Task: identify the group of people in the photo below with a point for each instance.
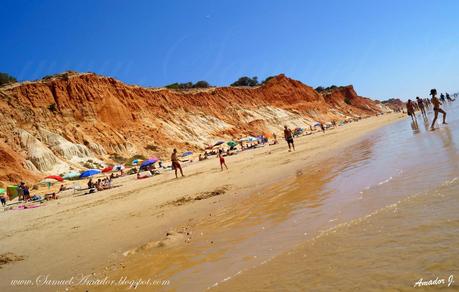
(423, 104)
(99, 184)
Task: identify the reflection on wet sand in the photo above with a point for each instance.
(258, 228)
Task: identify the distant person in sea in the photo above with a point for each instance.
(176, 164)
(421, 105)
(288, 135)
(448, 98)
(222, 159)
(410, 110)
(436, 106)
(442, 97)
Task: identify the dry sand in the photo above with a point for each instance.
(84, 234)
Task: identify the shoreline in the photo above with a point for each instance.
(140, 212)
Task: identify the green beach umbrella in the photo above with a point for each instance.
(2, 191)
(71, 175)
(231, 144)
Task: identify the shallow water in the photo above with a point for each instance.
(397, 222)
(380, 215)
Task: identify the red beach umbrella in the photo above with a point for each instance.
(107, 169)
(56, 177)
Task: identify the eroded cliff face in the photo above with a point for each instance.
(54, 125)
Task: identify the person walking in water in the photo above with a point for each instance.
(442, 97)
(288, 135)
(222, 159)
(410, 110)
(436, 106)
(421, 106)
(176, 164)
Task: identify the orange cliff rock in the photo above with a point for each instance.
(57, 124)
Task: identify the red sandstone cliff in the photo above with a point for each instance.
(59, 123)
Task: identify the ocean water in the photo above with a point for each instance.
(397, 224)
(382, 214)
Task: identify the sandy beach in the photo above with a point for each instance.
(99, 232)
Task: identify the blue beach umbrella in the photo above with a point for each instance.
(90, 172)
(149, 161)
(188, 153)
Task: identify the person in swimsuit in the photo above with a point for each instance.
(222, 159)
(448, 98)
(421, 106)
(175, 163)
(436, 106)
(288, 135)
(410, 110)
(25, 191)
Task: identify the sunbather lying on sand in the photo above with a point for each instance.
(139, 176)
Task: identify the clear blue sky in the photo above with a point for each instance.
(384, 48)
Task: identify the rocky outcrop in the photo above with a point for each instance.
(59, 123)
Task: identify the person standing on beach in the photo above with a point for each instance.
(176, 164)
(421, 105)
(322, 127)
(288, 135)
(410, 110)
(436, 106)
(222, 159)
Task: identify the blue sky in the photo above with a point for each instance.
(384, 48)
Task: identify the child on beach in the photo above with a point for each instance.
(436, 104)
(222, 159)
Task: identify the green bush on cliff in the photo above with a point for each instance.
(246, 81)
(6, 78)
(267, 79)
(188, 85)
(52, 107)
(201, 84)
(320, 88)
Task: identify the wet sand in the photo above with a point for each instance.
(208, 215)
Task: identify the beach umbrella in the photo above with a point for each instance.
(89, 172)
(188, 153)
(231, 144)
(218, 143)
(107, 169)
(149, 161)
(54, 177)
(2, 191)
(71, 175)
(135, 161)
(251, 139)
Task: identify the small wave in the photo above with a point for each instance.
(385, 181)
